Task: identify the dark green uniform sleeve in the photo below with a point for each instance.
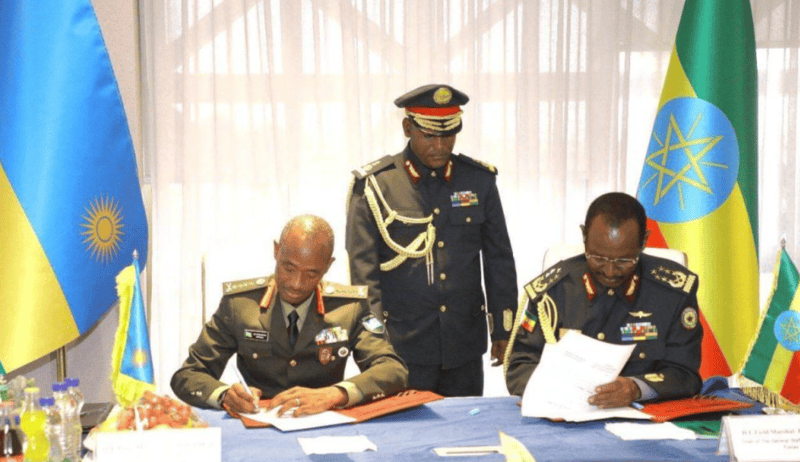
(199, 375)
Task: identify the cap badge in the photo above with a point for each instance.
(442, 96)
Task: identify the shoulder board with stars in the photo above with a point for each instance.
(540, 285)
(331, 289)
(372, 167)
(477, 163)
(676, 278)
(243, 285)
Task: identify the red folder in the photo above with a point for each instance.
(668, 410)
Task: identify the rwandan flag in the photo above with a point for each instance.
(131, 361)
(774, 361)
(71, 211)
(699, 180)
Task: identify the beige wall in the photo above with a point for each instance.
(89, 358)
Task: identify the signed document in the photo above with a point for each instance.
(287, 423)
(567, 375)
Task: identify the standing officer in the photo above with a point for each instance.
(293, 334)
(418, 223)
(616, 294)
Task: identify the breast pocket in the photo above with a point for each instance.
(467, 221)
(251, 351)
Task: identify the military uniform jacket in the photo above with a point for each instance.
(656, 309)
(240, 325)
(444, 323)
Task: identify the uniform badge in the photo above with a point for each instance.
(343, 352)
(326, 355)
(464, 199)
(442, 96)
(325, 336)
(637, 331)
(654, 377)
(529, 321)
(373, 324)
(508, 319)
(258, 335)
(689, 318)
(639, 314)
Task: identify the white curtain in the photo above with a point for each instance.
(257, 110)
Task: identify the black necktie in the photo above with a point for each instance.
(292, 329)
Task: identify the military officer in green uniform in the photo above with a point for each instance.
(616, 294)
(292, 334)
(421, 225)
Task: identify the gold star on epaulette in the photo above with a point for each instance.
(674, 278)
(543, 282)
(330, 289)
(237, 287)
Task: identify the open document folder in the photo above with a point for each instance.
(567, 375)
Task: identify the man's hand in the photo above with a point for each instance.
(307, 401)
(239, 401)
(498, 351)
(619, 393)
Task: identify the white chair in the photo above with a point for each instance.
(561, 252)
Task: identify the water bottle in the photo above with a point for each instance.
(32, 422)
(10, 440)
(77, 397)
(66, 407)
(54, 429)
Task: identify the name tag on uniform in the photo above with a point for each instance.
(258, 335)
(637, 331)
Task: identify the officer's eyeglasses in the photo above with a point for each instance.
(619, 263)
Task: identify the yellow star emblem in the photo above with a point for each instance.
(676, 140)
(791, 330)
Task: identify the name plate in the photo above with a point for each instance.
(174, 445)
(768, 438)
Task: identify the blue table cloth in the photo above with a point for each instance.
(411, 436)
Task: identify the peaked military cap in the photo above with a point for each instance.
(435, 108)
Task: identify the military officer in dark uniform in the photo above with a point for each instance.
(293, 334)
(616, 294)
(418, 224)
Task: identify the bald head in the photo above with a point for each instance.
(309, 228)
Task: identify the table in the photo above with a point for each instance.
(411, 436)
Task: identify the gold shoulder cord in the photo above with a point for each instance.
(548, 318)
(420, 247)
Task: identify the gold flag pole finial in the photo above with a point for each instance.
(783, 242)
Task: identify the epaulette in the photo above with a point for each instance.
(477, 163)
(237, 287)
(546, 280)
(675, 277)
(331, 289)
(372, 167)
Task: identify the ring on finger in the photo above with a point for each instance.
(297, 401)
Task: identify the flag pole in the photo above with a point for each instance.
(61, 364)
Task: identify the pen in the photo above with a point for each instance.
(244, 384)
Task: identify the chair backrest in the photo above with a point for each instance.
(561, 252)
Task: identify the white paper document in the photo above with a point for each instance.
(567, 375)
(336, 444)
(650, 431)
(288, 423)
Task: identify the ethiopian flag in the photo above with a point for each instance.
(774, 361)
(71, 210)
(699, 181)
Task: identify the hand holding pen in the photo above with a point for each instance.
(241, 398)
